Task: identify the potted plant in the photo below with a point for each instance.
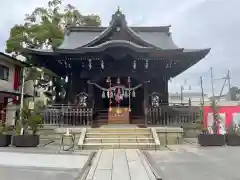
(5, 137)
(205, 138)
(26, 130)
(233, 137)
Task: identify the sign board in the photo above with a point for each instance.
(31, 105)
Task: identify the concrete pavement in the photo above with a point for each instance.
(117, 164)
(193, 162)
(28, 166)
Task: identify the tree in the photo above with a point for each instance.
(216, 116)
(44, 27)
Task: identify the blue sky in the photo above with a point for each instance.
(195, 24)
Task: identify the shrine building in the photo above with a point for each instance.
(120, 70)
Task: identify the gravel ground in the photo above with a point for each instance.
(191, 162)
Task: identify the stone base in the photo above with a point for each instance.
(170, 135)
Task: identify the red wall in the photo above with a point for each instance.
(228, 110)
(16, 80)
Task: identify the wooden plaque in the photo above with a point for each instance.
(118, 116)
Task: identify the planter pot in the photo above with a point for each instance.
(211, 139)
(5, 140)
(26, 141)
(232, 139)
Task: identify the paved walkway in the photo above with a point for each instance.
(120, 164)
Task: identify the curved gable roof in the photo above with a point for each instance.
(146, 36)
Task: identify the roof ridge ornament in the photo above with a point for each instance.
(118, 9)
(118, 16)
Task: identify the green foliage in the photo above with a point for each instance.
(199, 126)
(44, 26)
(32, 119)
(35, 122)
(2, 128)
(5, 129)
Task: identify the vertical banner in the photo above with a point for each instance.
(222, 123)
(235, 121)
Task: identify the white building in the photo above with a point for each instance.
(10, 76)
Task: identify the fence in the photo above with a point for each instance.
(71, 115)
(170, 115)
(67, 115)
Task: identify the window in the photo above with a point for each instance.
(4, 73)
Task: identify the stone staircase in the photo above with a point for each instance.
(119, 138)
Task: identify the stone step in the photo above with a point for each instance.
(119, 140)
(145, 146)
(119, 134)
(119, 130)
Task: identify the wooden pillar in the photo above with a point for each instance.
(90, 96)
(166, 100)
(146, 102)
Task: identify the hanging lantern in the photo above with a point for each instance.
(42, 75)
(66, 79)
(146, 64)
(103, 95)
(129, 80)
(126, 94)
(134, 64)
(50, 83)
(102, 64)
(108, 80)
(133, 93)
(90, 64)
(118, 80)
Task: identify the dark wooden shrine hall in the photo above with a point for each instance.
(116, 66)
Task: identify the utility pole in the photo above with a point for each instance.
(229, 86)
(201, 83)
(181, 94)
(213, 94)
(21, 100)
